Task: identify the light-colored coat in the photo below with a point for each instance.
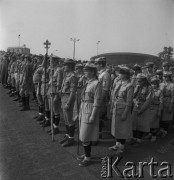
(123, 96)
(142, 101)
(91, 97)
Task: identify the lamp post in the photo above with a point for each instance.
(97, 46)
(19, 36)
(74, 41)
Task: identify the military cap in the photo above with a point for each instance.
(68, 61)
(55, 57)
(159, 72)
(141, 76)
(149, 64)
(90, 66)
(123, 70)
(168, 73)
(155, 79)
(171, 69)
(79, 66)
(100, 59)
(165, 64)
(136, 67)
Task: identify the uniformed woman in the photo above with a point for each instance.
(89, 112)
(168, 93)
(121, 127)
(141, 108)
(155, 107)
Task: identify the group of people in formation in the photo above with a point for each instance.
(139, 100)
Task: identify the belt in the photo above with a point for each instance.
(63, 94)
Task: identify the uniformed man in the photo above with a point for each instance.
(105, 79)
(56, 81)
(68, 96)
(37, 76)
(150, 70)
(165, 66)
(137, 70)
(17, 78)
(81, 82)
(26, 85)
(43, 89)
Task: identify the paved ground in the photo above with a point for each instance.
(27, 152)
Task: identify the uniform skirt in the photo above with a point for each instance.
(141, 122)
(121, 129)
(88, 131)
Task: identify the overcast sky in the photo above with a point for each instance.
(140, 26)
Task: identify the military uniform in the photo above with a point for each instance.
(68, 96)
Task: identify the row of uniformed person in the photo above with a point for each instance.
(140, 103)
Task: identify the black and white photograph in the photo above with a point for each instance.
(86, 89)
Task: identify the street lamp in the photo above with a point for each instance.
(97, 46)
(74, 41)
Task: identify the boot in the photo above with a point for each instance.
(70, 140)
(18, 97)
(66, 135)
(56, 119)
(28, 103)
(23, 103)
(41, 113)
(13, 92)
(34, 96)
(47, 119)
(100, 128)
(87, 159)
(10, 90)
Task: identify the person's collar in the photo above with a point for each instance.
(101, 71)
(91, 80)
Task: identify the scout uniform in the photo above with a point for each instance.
(43, 89)
(168, 93)
(68, 96)
(56, 81)
(37, 76)
(137, 70)
(105, 79)
(90, 104)
(123, 96)
(81, 82)
(17, 79)
(141, 108)
(150, 73)
(165, 66)
(155, 107)
(26, 84)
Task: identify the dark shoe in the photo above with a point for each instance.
(84, 163)
(55, 131)
(17, 98)
(35, 117)
(25, 108)
(39, 118)
(64, 139)
(80, 158)
(69, 142)
(46, 124)
(20, 105)
(12, 94)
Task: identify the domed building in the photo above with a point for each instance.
(127, 58)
